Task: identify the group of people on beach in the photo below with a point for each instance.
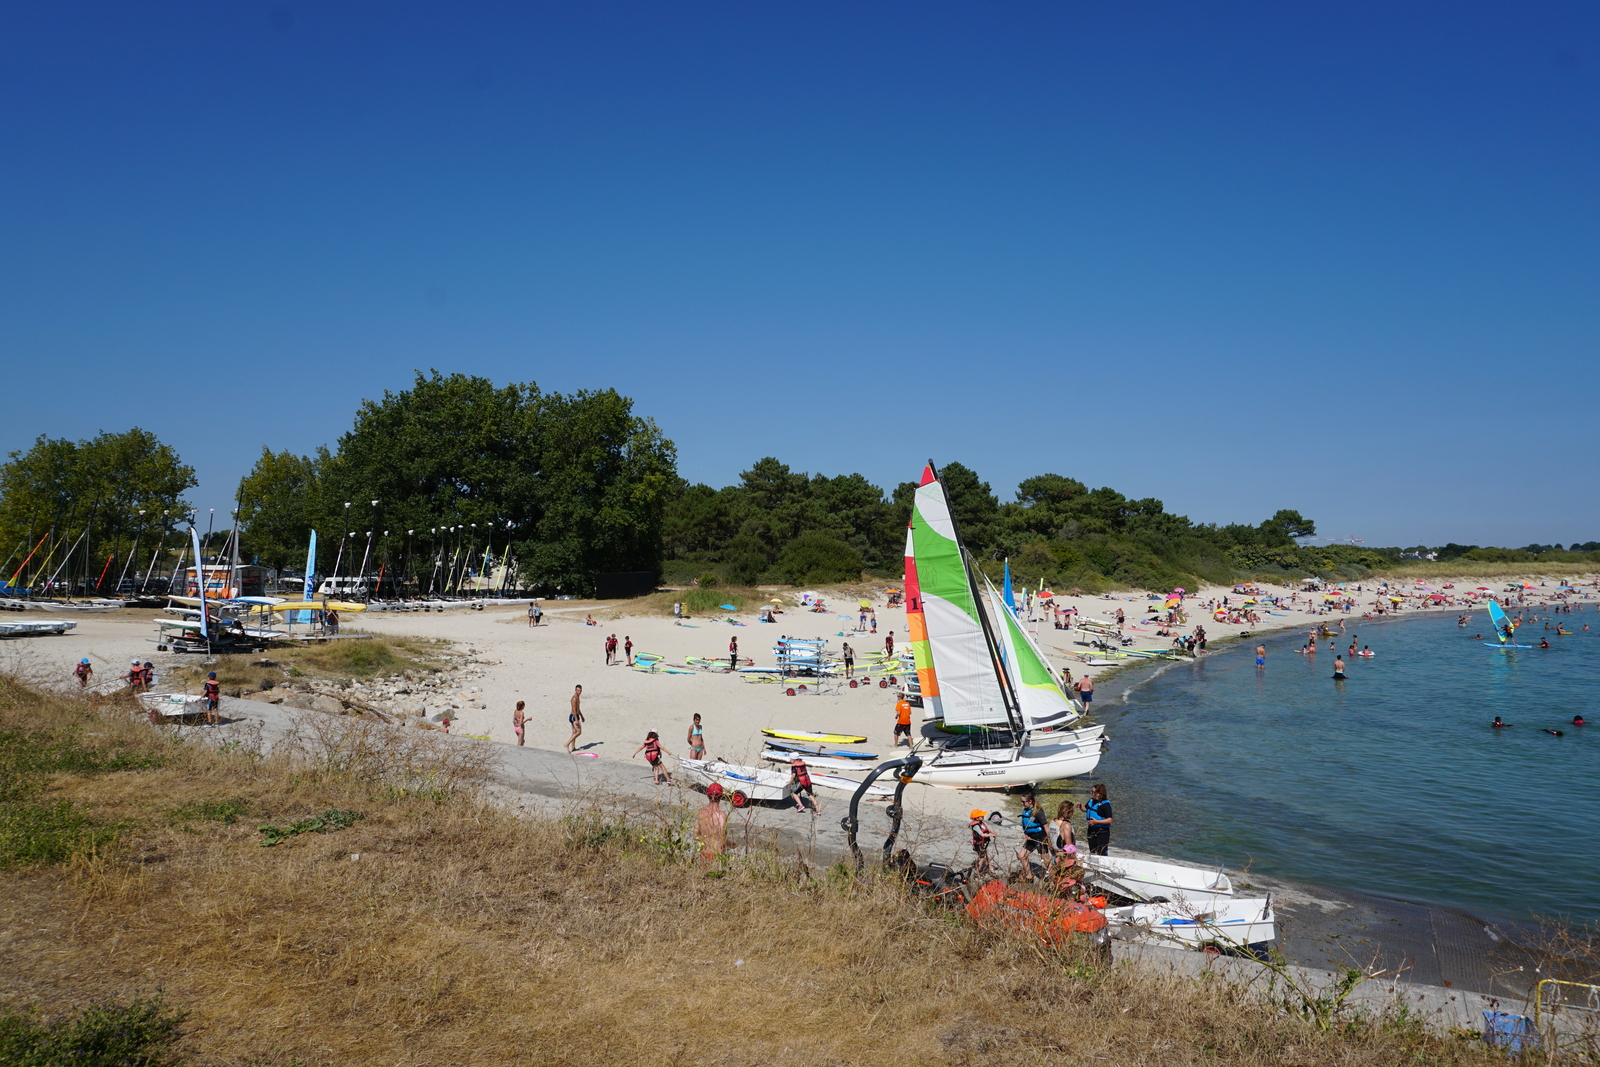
(1049, 847)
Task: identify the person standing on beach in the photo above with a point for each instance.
(1034, 838)
(1097, 814)
(733, 653)
(872, 619)
(1261, 655)
(1086, 690)
(849, 660)
(888, 645)
(627, 648)
(213, 696)
(902, 722)
(697, 739)
(711, 825)
(83, 671)
(519, 722)
(575, 716)
(532, 617)
(330, 623)
(800, 783)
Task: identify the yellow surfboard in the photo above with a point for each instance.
(317, 605)
(804, 735)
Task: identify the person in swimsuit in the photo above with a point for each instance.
(1338, 668)
(1063, 837)
(575, 716)
(697, 742)
(1086, 690)
(519, 722)
(711, 825)
(1261, 655)
(652, 755)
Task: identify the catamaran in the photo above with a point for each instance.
(978, 667)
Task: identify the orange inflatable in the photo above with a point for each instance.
(998, 906)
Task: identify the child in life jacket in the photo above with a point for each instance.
(982, 838)
(212, 692)
(800, 782)
(653, 751)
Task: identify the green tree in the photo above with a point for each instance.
(817, 558)
(276, 502)
(96, 488)
(572, 486)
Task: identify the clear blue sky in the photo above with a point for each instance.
(1336, 257)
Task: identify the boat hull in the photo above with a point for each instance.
(1151, 881)
(1044, 758)
(1237, 925)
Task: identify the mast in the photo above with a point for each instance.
(1013, 706)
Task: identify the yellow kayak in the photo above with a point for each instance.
(803, 735)
(317, 605)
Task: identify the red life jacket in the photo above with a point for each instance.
(652, 751)
(800, 773)
(148, 676)
(211, 690)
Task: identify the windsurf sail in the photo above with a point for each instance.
(200, 583)
(1503, 627)
(955, 666)
(311, 567)
(1010, 597)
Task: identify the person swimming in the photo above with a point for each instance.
(1544, 642)
(1577, 720)
(1555, 733)
(1497, 724)
(1366, 650)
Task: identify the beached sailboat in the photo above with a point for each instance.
(977, 667)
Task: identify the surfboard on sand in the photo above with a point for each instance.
(807, 735)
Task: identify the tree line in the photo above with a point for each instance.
(561, 488)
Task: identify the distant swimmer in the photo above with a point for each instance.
(1554, 733)
(1544, 642)
(1477, 637)
(1338, 668)
(1497, 724)
(1577, 720)
(1366, 650)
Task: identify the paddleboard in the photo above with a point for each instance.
(317, 605)
(823, 762)
(807, 735)
(818, 750)
(1490, 644)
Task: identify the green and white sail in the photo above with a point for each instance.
(1043, 704)
(953, 648)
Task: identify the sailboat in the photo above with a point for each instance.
(977, 667)
(1504, 628)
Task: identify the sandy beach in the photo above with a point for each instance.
(505, 660)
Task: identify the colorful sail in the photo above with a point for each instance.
(311, 566)
(1039, 694)
(200, 583)
(1501, 623)
(947, 639)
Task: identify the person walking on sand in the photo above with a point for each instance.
(83, 671)
(982, 838)
(1086, 690)
(1034, 838)
(532, 614)
(902, 722)
(330, 623)
(653, 752)
(538, 613)
(711, 825)
(1097, 814)
(213, 696)
(733, 653)
(627, 648)
(872, 619)
(800, 783)
(888, 645)
(697, 739)
(1063, 837)
(1261, 655)
(575, 716)
(849, 660)
(519, 722)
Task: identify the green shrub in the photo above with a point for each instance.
(47, 833)
(817, 559)
(709, 601)
(141, 1033)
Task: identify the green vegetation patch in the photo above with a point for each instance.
(141, 1033)
(226, 812)
(48, 833)
(328, 820)
(28, 755)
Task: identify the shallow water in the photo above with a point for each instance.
(1391, 782)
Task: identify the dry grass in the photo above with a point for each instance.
(464, 934)
(369, 657)
(1466, 568)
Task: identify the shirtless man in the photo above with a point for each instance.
(1261, 655)
(711, 825)
(575, 716)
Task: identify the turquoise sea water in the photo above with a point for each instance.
(1391, 782)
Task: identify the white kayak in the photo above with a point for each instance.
(1151, 881)
(850, 785)
(827, 763)
(1227, 924)
(741, 784)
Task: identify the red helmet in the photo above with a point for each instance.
(714, 791)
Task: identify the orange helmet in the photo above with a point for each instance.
(976, 814)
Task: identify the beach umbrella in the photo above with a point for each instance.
(866, 603)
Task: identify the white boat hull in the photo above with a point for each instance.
(1044, 758)
(1227, 924)
(755, 783)
(1151, 881)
